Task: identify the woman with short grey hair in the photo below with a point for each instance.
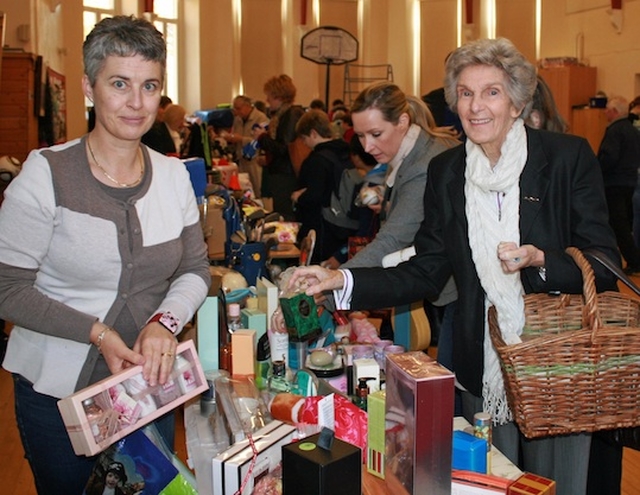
(102, 258)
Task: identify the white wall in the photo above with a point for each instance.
(616, 55)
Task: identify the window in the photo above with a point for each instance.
(95, 11)
(166, 21)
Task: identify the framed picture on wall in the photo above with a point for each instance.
(56, 106)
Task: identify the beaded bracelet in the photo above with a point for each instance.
(101, 338)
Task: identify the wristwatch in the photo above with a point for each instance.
(167, 320)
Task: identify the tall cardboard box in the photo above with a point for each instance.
(208, 326)
(419, 424)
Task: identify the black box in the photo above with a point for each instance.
(310, 470)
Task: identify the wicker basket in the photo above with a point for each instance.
(578, 366)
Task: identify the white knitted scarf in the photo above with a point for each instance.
(407, 144)
(493, 213)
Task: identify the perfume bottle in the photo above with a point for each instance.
(94, 417)
(278, 380)
(362, 393)
(234, 321)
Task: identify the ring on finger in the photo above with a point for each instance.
(167, 354)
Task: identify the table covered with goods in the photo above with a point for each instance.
(303, 399)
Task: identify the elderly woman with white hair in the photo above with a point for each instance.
(502, 207)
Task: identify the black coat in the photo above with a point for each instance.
(562, 204)
(158, 138)
(619, 154)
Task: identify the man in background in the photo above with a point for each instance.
(245, 117)
(619, 157)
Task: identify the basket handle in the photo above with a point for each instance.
(605, 261)
(590, 313)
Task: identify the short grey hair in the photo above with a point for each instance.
(619, 104)
(501, 53)
(243, 99)
(122, 36)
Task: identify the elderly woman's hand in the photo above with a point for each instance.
(315, 280)
(514, 258)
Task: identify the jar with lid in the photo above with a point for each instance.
(482, 428)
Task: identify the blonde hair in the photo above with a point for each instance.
(391, 101)
(420, 114)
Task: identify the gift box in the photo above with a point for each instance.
(367, 368)
(418, 413)
(347, 420)
(472, 483)
(236, 465)
(532, 484)
(469, 452)
(210, 324)
(105, 412)
(267, 297)
(300, 316)
(309, 469)
(375, 433)
(254, 319)
(243, 355)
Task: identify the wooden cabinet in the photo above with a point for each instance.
(18, 117)
(590, 123)
(571, 85)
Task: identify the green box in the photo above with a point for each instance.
(254, 319)
(376, 433)
(300, 316)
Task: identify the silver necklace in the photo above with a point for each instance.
(106, 174)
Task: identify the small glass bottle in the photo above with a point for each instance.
(233, 317)
(278, 379)
(94, 417)
(362, 393)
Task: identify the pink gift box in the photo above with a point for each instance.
(126, 403)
